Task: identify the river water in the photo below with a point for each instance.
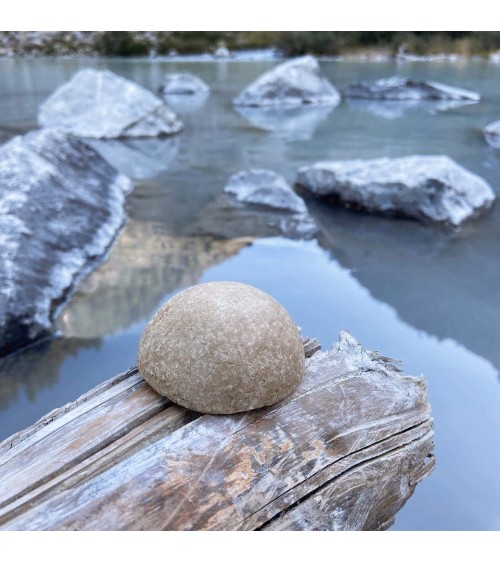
(428, 296)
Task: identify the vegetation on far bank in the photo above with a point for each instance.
(290, 43)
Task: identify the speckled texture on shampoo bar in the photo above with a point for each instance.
(221, 348)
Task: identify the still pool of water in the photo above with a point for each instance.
(422, 294)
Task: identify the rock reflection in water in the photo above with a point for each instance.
(183, 104)
(36, 368)
(139, 158)
(390, 109)
(293, 124)
(227, 218)
(147, 264)
(421, 272)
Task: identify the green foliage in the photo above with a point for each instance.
(121, 44)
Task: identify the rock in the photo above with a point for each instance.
(268, 189)
(99, 104)
(264, 187)
(183, 83)
(221, 348)
(397, 88)
(222, 52)
(294, 83)
(492, 134)
(430, 188)
(61, 206)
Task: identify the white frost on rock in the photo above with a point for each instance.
(431, 188)
(61, 206)
(183, 83)
(492, 134)
(398, 88)
(268, 189)
(294, 83)
(99, 104)
(264, 187)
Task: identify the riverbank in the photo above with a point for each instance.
(232, 44)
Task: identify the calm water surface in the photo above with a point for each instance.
(422, 294)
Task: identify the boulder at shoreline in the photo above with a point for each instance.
(102, 105)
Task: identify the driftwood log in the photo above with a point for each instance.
(343, 452)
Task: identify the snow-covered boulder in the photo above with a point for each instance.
(270, 190)
(492, 134)
(183, 83)
(61, 205)
(430, 188)
(99, 104)
(294, 83)
(398, 88)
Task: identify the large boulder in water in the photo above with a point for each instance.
(101, 105)
(398, 88)
(492, 134)
(61, 205)
(430, 188)
(294, 83)
(183, 83)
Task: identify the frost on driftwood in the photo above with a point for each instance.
(343, 452)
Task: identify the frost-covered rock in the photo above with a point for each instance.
(61, 205)
(268, 189)
(99, 104)
(293, 83)
(264, 187)
(222, 52)
(183, 83)
(431, 188)
(492, 134)
(398, 88)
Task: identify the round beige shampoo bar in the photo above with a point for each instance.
(221, 348)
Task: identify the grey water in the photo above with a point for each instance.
(423, 294)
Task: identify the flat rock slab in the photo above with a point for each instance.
(429, 188)
(180, 83)
(492, 134)
(398, 88)
(61, 207)
(345, 451)
(102, 105)
(294, 83)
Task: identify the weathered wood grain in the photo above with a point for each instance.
(344, 451)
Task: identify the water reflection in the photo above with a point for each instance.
(146, 264)
(186, 103)
(390, 109)
(226, 217)
(292, 124)
(139, 158)
(439, 281)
